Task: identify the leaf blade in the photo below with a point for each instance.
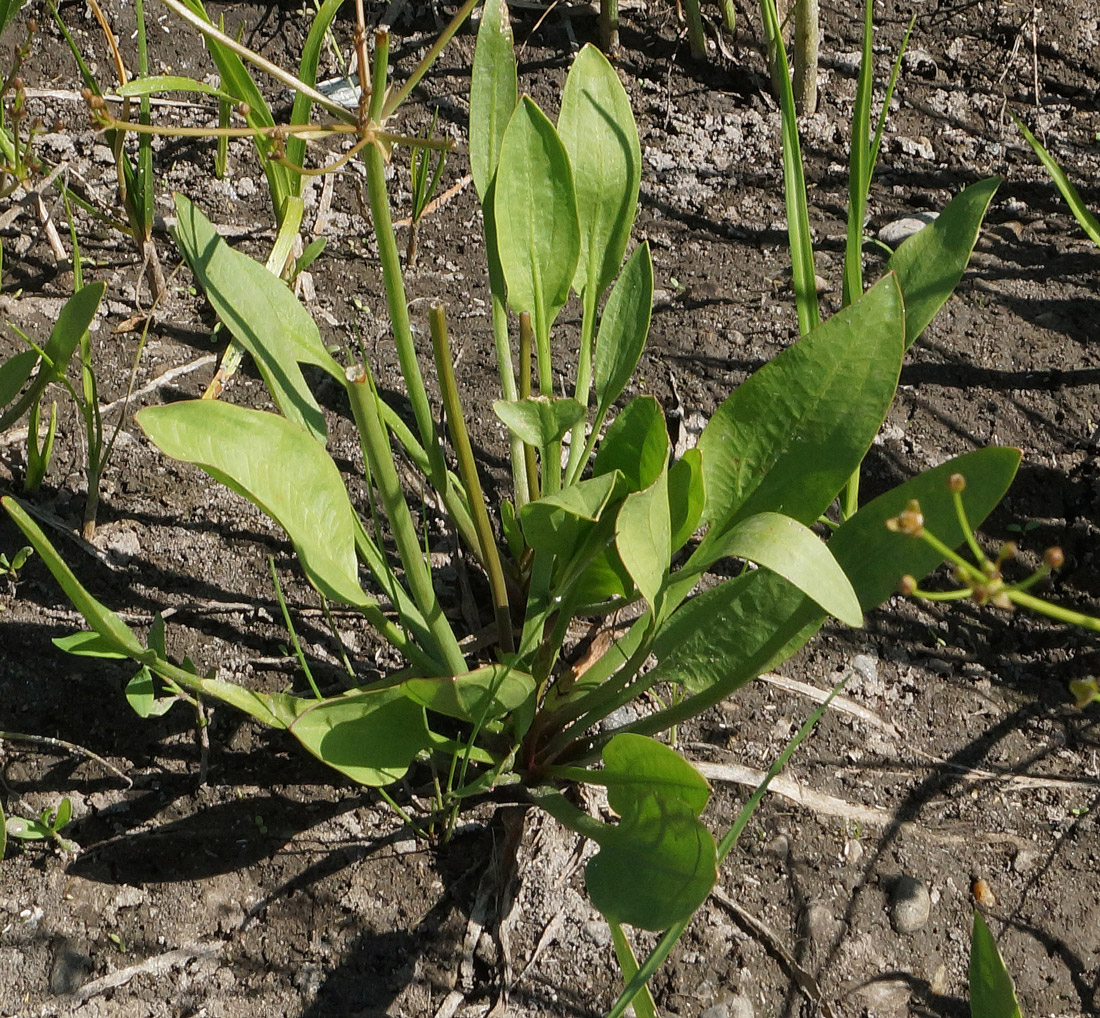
(278, 466)
(596, 126)
(930, 264)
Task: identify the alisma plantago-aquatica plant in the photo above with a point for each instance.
(616, 526)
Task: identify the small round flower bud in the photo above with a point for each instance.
(1008, 550)
(86, 94)
(32, 25)
(956, 483)
(244, 109)
(909, 521)
(1054, 558)
(18, 83)
(907, 585)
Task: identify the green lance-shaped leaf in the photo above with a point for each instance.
(624, 328)
(76, 316)
(659, 863)
(539, 420)
(8, 10)
(1088, 222)
(992, 994)
(596, 126)
(14, 374)
(636, 444)
(536, 215)
(372, 737)
(493, 92)
(307, 72)
(89, 644)
(170, 83)
(796, 553)
(930, 264)
(261, 312)
(485, 693)
(643, 538)
(112, 638)
(280, 467)
(236, 80)
(789, 438)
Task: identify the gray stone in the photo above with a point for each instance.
(910, 905)
(778, 848)
(901, 229)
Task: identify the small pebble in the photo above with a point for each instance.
(902, 229)
(983, 893)
(1025, 861)
(910, 905)
(853, 851)
(598, 932)
(740, 1007)
(818, 923)
(778, 848)
(731, 1007)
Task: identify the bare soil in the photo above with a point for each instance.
(242, 879)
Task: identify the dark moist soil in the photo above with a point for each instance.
(244, 879)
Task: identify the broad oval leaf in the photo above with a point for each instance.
(931, 262)
(875, 558)
(789, 437)
(603, 578)
(539, 420)
(596, 126)
(278, 466)
(636, 444)
(535, 210)
(728, 635)
(141, 695)
(485, 693)
(372, 737)
(548, 523)
(493, 92)
(659, 863)
(797, 554)
(624, 328)
(636, 766)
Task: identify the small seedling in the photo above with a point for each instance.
(48, 827)
(425, 169)
(10, 567)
